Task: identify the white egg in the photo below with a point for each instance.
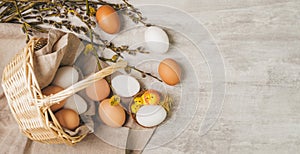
(156, 39)
(65, 77)
(151, 115)
(125, 85)
(76, 103)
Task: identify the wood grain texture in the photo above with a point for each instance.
(259, 41)
(260, 44)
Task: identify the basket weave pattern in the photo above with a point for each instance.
(30, 107)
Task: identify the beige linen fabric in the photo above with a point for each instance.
(12, 40)
(61, 49)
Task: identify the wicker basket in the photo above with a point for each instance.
(30, 107)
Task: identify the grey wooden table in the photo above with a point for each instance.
(260, 44)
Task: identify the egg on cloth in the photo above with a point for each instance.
(98, 90)
(156, 39)
(65, 77)
(108, 19)
(169, 71)
(76, 103)
(68, 118)
(111, 115)
(53, 90)
(151, 115)
(125, 85)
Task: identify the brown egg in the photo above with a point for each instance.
(108, 19)
(98, 90)
(53, 90)
(68, 118)
(113, 116)
(169, 71)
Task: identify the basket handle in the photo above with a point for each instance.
(53, 99)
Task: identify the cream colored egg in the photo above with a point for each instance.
(156, 39)
(76, 103)
(65, 77)
(151, 115)
(125, 85)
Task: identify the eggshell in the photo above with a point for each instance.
(76, 103)
(125, 85)
(65, 77)
(156, 39)
(108, 19)
(169, 71)
(53, 90)
(113, 116)
(68, 118)
(151, 115)
(98, 90)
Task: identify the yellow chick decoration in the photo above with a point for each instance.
(151, 97)
(138, 101)
(115, 100)
(135, 107)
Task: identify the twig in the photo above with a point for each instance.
(131, 67)
(146, 73)
(134, 14)
(87, 7)
(21, 10)
(35, 13)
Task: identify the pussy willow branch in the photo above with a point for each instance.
(134, 14)
(24, 23)
(131, 67)
(25, 8)
(145, 73)
(33, 14)
(43, 7)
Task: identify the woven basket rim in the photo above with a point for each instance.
(19, 67)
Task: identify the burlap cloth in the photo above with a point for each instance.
(129, 140)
